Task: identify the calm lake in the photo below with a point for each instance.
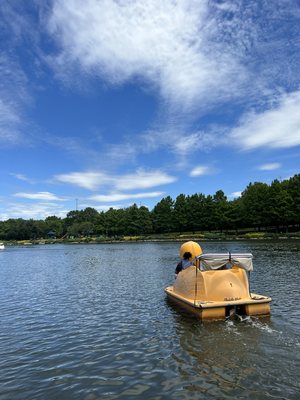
(92, 322)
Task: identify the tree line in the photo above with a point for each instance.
(260, 206)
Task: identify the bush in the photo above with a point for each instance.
(255, 235)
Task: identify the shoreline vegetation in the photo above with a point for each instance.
(262, 211)
(198, 237)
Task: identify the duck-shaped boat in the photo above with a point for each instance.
(217, 285)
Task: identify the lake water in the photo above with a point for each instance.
(92, 322)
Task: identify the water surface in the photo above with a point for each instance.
(92, 322)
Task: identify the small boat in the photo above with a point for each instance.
(2, 247)
(217, 285)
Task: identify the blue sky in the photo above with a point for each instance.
(121, 102)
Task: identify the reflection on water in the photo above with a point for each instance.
(92, 322)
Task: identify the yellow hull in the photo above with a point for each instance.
(213, 310)
(217, 285)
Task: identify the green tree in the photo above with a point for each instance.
(74, 229)
(208, 213)
(114, 222)
(132, 220)
(196, 212)
(234, 214)
(255, 203)
(220, 210)
(89, 214)
(181, 213)
(86, 228)
(163, 216)
(99, 227)
(280, 209)
(55, 224)
(145, 220)
(293, 188)
(72, 217)
(260, 205)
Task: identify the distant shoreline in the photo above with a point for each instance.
(255, 236)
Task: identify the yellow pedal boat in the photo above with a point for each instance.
(217, 285)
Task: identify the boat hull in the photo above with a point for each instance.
(255, 305)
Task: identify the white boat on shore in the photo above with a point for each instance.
(2, 247)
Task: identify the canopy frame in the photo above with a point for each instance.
(215, 261)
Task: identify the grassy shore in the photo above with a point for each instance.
(166, 237)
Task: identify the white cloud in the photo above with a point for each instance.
(185, 144)
(235, 194)
(269, 167)
(24, 178)
(87, 180)
(278, 127)
(9, 122)
(122, 196)
(13, 98)
(201, 170)
(11, 115)
(106, 207)
(174, 45)
(179, 142)
(38, 196)
(35, 211)
(141, 179)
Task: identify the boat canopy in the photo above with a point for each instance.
(218, 260)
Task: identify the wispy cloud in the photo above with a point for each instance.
(142, 179)
(269, 167)
(14, 90)
(24, 178)
(12, 103)
(188, 143)
(20, 34)
(200, 170)
(39, 196)
(87, 180)
(175, 46)
(92, 180)
(278, 127)
(35, 211)
(122, 196)
(180, 143)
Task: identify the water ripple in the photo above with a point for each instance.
(92, 322)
